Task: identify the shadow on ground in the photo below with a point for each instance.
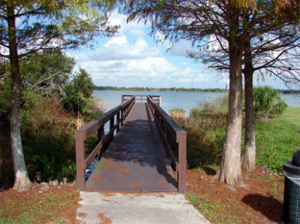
(209, 171)
(265, 205)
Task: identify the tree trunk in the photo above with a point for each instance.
(230, 169)
(249, 154)
(22, 181)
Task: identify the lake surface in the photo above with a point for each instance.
(180, 100)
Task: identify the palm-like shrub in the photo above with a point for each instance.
(267, 102)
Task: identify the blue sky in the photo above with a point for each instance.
(132, 58)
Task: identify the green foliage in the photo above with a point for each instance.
(55, 24)
(46, 165)
(205, 137)
(47, 128)
(48, 139)
(206, 132)
(52, 206)
(219, 105)
(69, 171)
(47, 134)
(209, 208)
(177, 113)
(278, 139)
(5, 90)
(267, 102)
(78, 94)
(46, 72)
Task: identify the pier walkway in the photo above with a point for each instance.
(144, 149)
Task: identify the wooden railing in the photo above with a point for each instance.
(117, 114)
(143, 98)
(174, 139)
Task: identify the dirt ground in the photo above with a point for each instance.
(40, 204)
(259, 199)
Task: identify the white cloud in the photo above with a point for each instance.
(119, 40)
(137, 33)
(118, 48)
(117, 19)
(127, 59)
(181, 48)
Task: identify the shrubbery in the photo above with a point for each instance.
(177, 113)
(267, 102)
(48, 116)
(206, 129)
(205, 137)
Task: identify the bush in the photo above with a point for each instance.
(267, 102)
(205, 137)
(177, 114)
(47, 135)
(47, 128)
(78, 99)
(218, 105)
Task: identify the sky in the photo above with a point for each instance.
(133, 58)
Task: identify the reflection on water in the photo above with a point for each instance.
(180, 100)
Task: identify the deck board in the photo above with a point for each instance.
(135, 160)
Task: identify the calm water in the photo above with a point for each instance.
(181, 100)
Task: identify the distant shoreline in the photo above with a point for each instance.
(216, 90)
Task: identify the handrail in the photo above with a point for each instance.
(174, 138)
(143, 98)
(119, 114)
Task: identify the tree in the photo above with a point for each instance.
(197, 20)
(260, 55)
(30, 26)
(47, 72)
(78, 91)
(215, 25)
(271, 42)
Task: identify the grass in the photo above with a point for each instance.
(218, 212)
(207, 207)
(177, 113)
(258, 199)
(278, 140)
(53, 206)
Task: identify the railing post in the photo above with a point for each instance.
(100, 137)
(181, 176)
(122, 116)
(118, 119)
(111, 126)
(80, 161)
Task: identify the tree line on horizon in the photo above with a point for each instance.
(181, 89)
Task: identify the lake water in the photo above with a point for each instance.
(181, 100)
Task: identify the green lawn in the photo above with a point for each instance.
(278, 139)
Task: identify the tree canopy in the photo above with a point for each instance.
(29, 26)
(42, 24)
(228, 34)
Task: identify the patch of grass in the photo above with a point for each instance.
(45, 207)
(99, 164)
(177, 114)
(278, 140)
(205, 137)
(214, 210)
